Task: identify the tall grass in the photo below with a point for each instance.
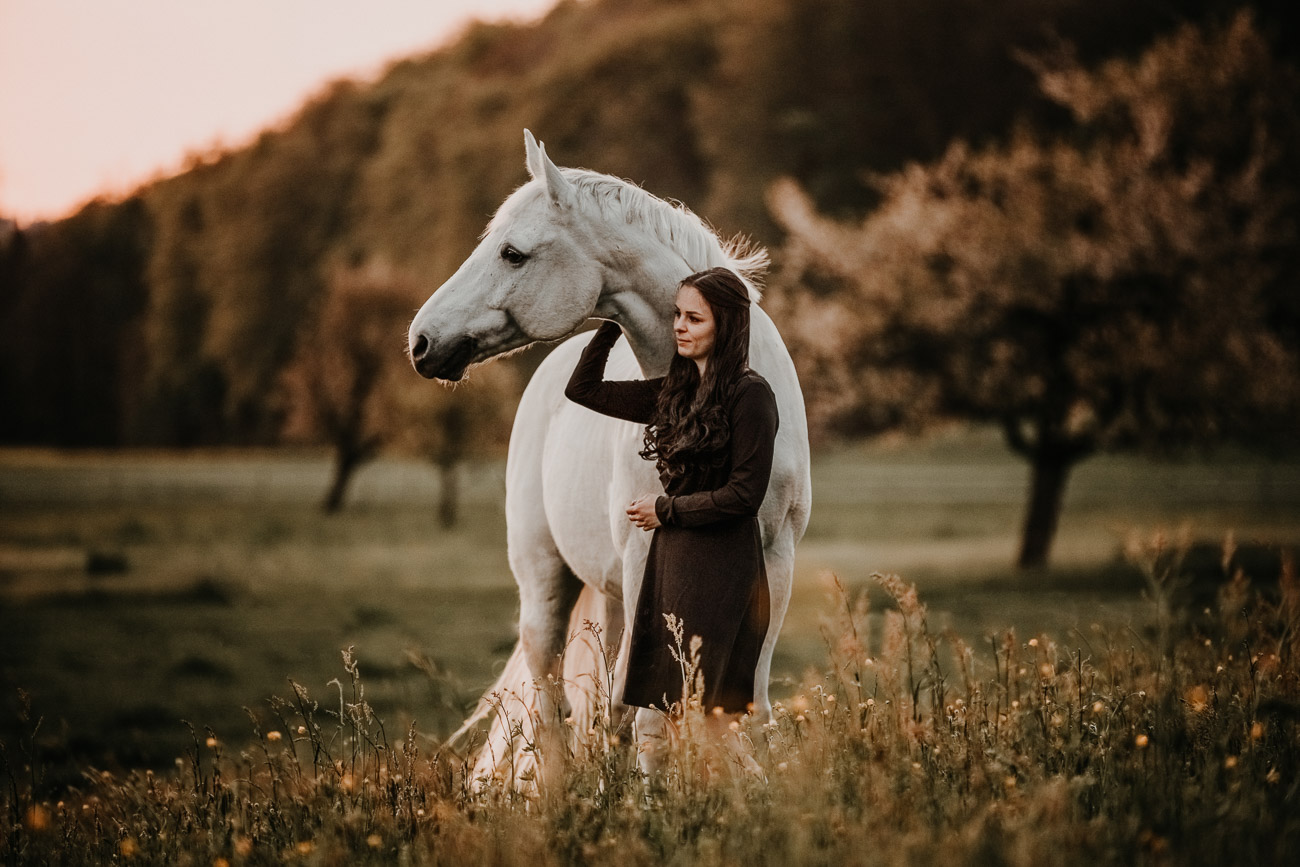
(1178, 746)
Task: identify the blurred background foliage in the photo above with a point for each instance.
(1128, 282)
(1070, 149)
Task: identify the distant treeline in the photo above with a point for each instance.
(169, 318)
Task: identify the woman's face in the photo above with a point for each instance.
(693, 325)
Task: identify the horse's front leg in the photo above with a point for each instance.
(634, 545)
(548, 590)
(649, 726)
(615, 641)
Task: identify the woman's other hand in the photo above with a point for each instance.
(642, 512)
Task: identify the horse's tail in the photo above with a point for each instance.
(512, 700)
(516, 670)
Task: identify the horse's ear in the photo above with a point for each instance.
(541, 168)
(533, 155)
(560, 190)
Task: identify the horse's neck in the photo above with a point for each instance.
(644, 308)
(641, 277)
(640, 299)
(764, 340)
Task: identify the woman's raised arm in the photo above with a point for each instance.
(631, 399)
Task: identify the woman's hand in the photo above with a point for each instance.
(642, 512)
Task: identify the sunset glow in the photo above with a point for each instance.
(97, 97)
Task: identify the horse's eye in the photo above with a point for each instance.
(513, 256)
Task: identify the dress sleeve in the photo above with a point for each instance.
(632, 399)
(753, 438)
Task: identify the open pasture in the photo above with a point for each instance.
(140, 590)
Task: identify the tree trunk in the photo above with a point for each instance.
(448, 494)
(1049, 471)
(345, 464)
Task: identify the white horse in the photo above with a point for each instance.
(568, 246)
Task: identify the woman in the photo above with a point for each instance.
(710, 428)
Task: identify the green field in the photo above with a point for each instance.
(140, 589)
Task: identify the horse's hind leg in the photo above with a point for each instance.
(548, 590)
(546, 598)
(779, 560)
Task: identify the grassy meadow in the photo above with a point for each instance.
(145, 594)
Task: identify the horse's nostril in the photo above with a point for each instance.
(421, 346)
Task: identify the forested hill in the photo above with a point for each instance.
(167, 318)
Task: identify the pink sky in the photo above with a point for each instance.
(97, 96)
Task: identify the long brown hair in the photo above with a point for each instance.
(689, 427)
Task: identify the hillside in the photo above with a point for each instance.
(168, 317)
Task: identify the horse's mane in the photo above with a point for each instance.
(670, 222)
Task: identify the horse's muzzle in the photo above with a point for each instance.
(435, 363)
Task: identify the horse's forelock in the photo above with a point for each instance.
(516, 200)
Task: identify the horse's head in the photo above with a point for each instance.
(534, 276)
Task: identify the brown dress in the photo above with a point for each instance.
(706, 560)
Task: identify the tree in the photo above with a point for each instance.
(72, 296)
(245, 246)
(447, 425)
(1130, 285)
(342, 384)
(819, 90)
